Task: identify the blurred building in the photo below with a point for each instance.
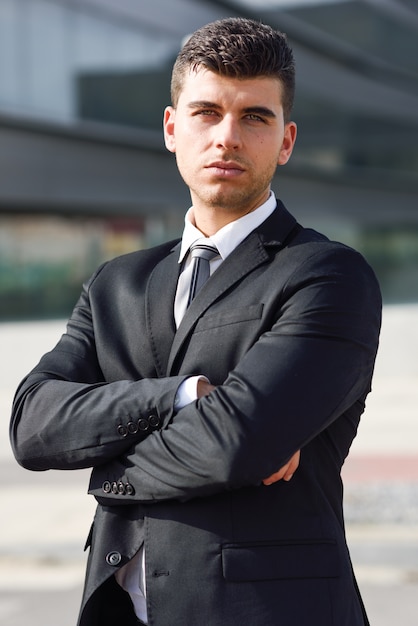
(84, 174)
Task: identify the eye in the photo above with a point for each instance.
(206, 112)
(253, 117)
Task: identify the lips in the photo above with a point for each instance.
(225, 170)
(226, 165)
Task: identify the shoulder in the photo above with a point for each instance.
(336, 270)
(140, 262)
(316, 248)
(308, 254)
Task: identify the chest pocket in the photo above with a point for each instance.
(227, 318)
(220, 340)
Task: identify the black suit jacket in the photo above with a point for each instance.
(287, 328)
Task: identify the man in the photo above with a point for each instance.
(192, 408)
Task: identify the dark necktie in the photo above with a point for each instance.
(202, 253)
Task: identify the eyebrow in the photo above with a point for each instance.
(263, 111)
(257, 110)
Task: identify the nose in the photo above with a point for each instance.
(228, 133)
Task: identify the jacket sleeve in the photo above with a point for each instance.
(66, 416)
(314, 362)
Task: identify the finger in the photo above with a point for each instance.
(276, 476)
(292, 466)
(286, 472)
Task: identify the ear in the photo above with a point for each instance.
(289, 138)
(169, 118)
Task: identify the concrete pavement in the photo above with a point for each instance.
(46, 516)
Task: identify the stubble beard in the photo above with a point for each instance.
(233, 198)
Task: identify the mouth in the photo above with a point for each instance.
(227, 169)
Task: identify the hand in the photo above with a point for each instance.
(204, 388)
(286, 472)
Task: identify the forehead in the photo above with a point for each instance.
(205, 85)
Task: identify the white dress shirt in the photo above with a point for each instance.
(132, 575)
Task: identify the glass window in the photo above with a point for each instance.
(335, 138)
(104, 45)
(46, 48)
(122, 75)
(91, 43)
(9, 53)
(385, 35)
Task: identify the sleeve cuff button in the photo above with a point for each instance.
(122, 430)
(154, 421)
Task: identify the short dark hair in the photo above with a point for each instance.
(239, 48)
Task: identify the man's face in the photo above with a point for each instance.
(229, 136)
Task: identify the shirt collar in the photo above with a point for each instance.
(230, 236)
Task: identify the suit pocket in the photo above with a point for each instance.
(225, 318)
(280, 560)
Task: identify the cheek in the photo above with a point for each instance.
(186, 163)
(268, 157)
(267, 151)
(192, 147)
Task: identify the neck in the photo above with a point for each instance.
(211, 219)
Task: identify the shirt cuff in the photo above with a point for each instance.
(187, 392)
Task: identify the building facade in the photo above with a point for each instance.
(84, 175)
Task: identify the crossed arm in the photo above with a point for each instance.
(286, 471)
(298, 377)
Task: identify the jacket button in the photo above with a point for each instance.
(114, 487)
(113, 558)
(122, 430)
(132, 428)
(121, 488)
(143, 424)
(107, 488)
(154, 421)
(129, 490)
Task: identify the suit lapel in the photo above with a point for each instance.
(159, 299)
(250, 254)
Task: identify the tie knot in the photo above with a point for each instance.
(203, 250)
